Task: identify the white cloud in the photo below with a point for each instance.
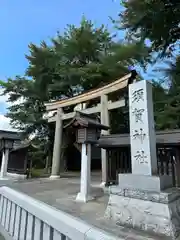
(4, 121)
(3, 99)
(5, 124)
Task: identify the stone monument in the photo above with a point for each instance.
(144, 200)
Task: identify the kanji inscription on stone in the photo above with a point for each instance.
(142, 133)
(138, 95)
(141, 157)
(138, 114)
(139, 134)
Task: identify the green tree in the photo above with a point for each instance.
(80, 59)
(169, 116)
(157, 20)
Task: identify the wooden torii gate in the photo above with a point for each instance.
(103, 107)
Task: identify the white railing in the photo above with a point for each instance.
(24, 218)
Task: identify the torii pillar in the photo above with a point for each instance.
(104, 121)
(55, 171)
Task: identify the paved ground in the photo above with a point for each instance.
(62, 193)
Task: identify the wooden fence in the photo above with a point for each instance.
(119, 161)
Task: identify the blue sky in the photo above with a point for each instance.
(25, 21)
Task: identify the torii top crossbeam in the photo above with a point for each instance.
(114, 86)
(93, 94)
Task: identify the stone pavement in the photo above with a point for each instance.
(61, 194)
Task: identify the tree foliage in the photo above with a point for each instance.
(157, 20)
(169, 114)
(80, 59)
